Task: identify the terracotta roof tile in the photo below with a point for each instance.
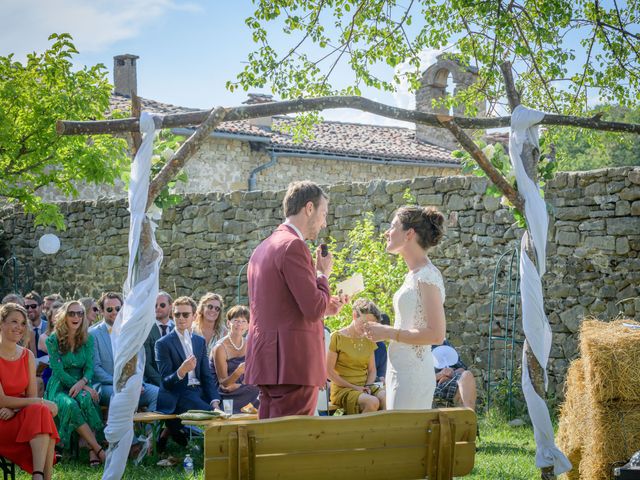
(329, 138)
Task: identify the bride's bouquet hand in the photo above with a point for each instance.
(376, 332)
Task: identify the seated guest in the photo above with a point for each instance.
(209, 321)
(91, 310)
(381, 353)
(42, 343)
(351, 364)
(456, 383)
(187, 382)
(110, 304)
(50, 300)
(322, 407)
(33, 305)
(163, 326)
(13, 298)
(71, 358)
(228, 361)
(29, 432)
(51, 314)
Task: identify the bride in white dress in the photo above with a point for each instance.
(419, 312)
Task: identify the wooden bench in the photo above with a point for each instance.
(438, 444)
(155, 419)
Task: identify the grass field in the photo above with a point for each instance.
(504, 453)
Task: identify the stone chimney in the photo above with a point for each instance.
(254, 99)
(434, 87)
(125, 80)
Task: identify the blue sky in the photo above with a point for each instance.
(187, 49)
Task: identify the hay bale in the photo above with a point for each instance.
(612, 435)
(573, 417)
(610, 352)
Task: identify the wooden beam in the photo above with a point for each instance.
(186, 151)
(478, 155)
(69, 127)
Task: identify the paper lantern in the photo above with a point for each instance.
(49, 244)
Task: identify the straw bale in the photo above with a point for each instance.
(573, 417)
(612, 435)
(610, 352)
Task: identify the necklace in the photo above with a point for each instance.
(356, 341)
(14, 355)
(234, 345)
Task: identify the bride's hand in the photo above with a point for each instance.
(376, 332)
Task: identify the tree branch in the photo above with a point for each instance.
(68, 127)
(510, 87)
(494, 175)
(186, 150)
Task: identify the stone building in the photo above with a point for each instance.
(259, 154)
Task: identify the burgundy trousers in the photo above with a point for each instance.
(283, 400)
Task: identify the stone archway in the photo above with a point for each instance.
(434, 87)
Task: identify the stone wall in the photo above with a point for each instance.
(593, 262)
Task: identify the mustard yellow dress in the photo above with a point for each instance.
(352, 364)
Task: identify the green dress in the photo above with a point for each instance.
(67, 369)
(352, 365)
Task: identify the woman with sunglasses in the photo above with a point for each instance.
(29, 432)
(90, 309)
(71, 359)
(209, 321)
(228, 361)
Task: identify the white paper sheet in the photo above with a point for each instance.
(351, 286)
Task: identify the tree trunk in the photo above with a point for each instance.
(530, 159)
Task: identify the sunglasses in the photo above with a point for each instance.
(182, 314)
(32, 306)
(211, 307)
(161, 305)
(74, 313)
(111, 309)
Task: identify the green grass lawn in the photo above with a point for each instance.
(505, 453)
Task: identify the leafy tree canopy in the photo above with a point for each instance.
(32, 97)
(563, 51)
(586, 150)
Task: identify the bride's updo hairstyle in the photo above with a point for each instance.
(427, 222)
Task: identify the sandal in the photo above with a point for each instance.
(36, 472)
(96, 462)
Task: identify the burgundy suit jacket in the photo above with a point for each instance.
(287, 300)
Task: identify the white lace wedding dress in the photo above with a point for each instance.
(411, 379)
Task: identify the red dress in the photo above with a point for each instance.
(30, 421)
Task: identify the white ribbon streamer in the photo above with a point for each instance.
(137, 316)
(535, 323)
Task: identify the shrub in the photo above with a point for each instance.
(365, 252)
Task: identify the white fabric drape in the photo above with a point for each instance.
(137, 316)
(535, 323)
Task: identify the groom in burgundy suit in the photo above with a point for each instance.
(289, 298)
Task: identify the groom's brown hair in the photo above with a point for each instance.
(299, 194)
